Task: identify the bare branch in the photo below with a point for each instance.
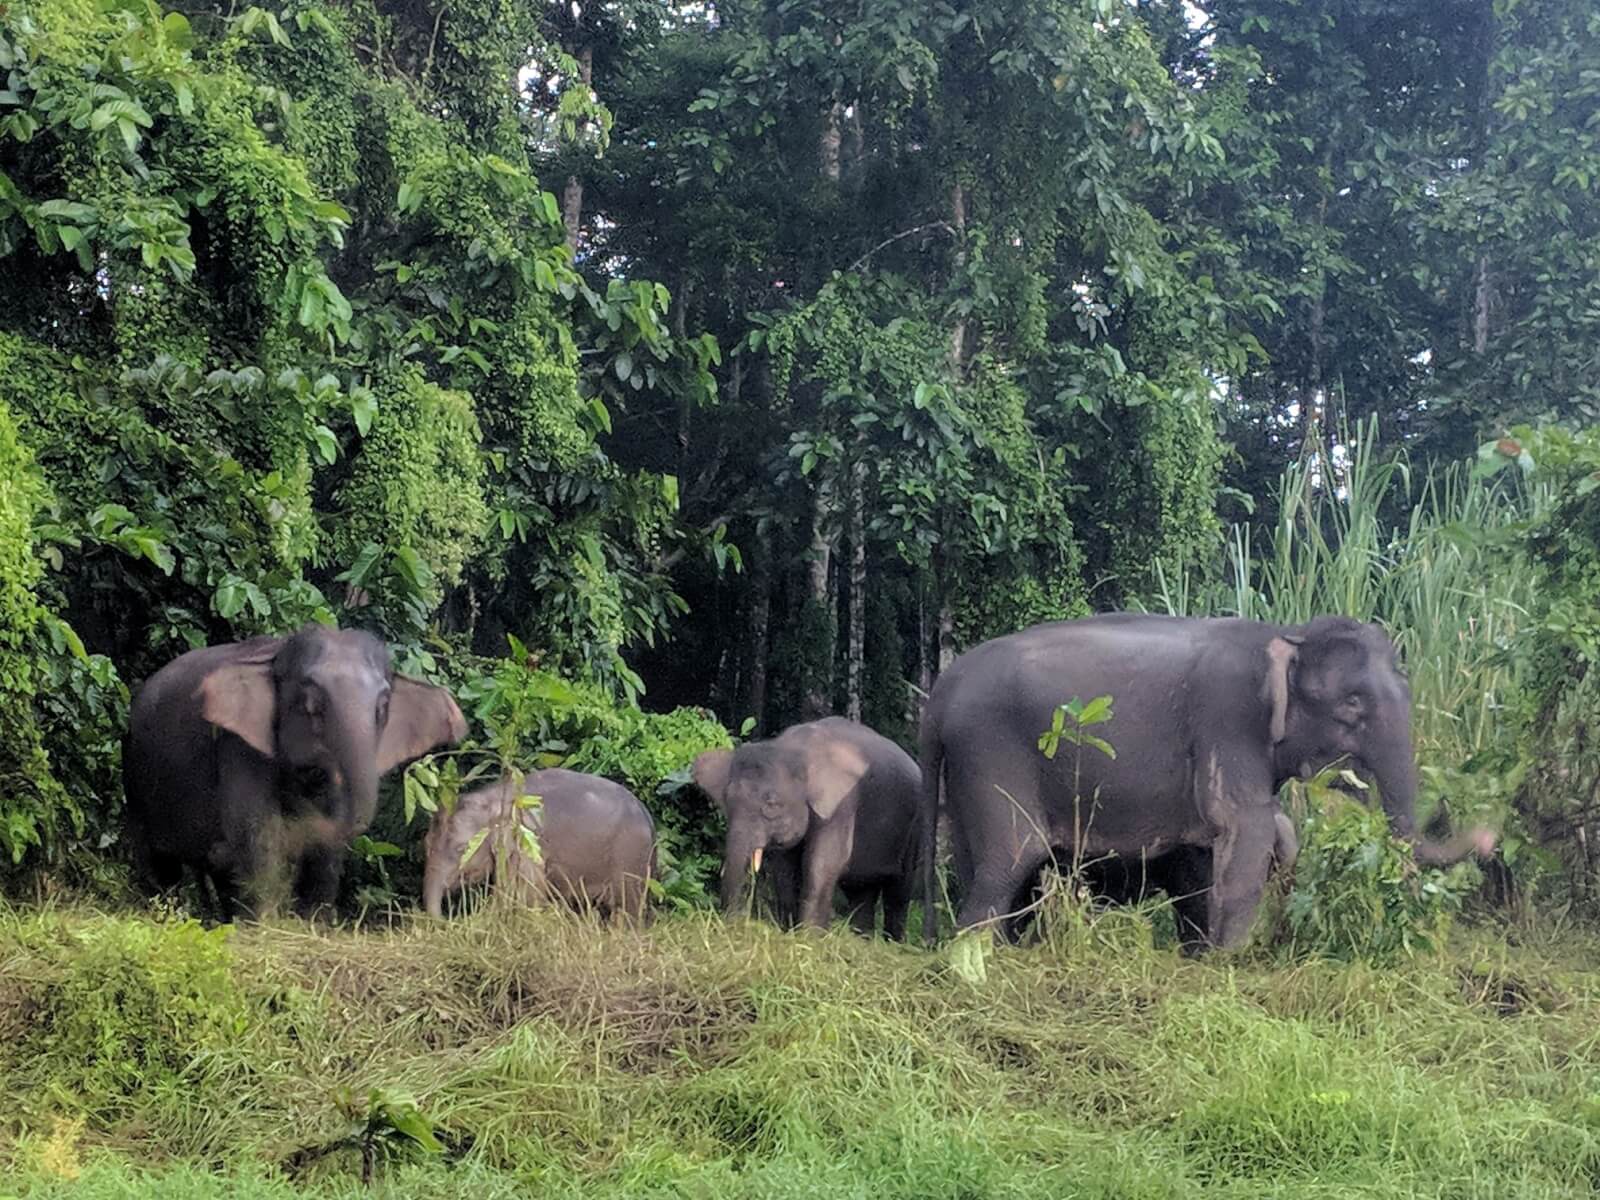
(904, 233)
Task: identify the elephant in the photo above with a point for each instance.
(596, 843)
(243, 758)
(1210, 717)
(837, 806)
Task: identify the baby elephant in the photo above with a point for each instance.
(596, 843)
(827, 804)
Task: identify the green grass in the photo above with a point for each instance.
(698, 1059)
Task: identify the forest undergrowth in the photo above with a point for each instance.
(534, 1053)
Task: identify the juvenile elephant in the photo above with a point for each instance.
(244, 757)
(836, 805)
(1210, 718)
(596, 843)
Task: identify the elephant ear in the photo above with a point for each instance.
(834, 772)
(1281, 654)
(710, 773)
(241, 697)
(421, 716)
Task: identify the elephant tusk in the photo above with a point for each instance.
(755, 860)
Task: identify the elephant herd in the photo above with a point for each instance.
(256, 764)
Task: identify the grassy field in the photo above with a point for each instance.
(699, 1060)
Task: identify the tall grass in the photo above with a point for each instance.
(701, 1059)
(1443, 584)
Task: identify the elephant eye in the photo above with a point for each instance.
(383, 709)
(311, 700)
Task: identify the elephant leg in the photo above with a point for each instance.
(225, 895)
(1241, 860)
(861, 903)
(160, 872)
(631, 892)
(237, 872)
(783, 870)
(826, 856)
(1186, 878)
(316, 885)
(896, 902)
(996, 886)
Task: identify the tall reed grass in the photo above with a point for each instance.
(1440, 579)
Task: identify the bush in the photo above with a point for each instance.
(530, 718)
(1358, 892)
(131, 1007)
(31, 800)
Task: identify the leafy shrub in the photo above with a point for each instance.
(1358, 892)
(418, 481)
(134, 1007)
(31, 799)
(531, 718)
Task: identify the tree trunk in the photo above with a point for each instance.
(947, 632)
(832, 138)
(1482, 118)
(916, 696)
(855, 149)
(1313, 431)
(857, 599)
(685, 409)
(958, 222)
(572, 194)
(758, 636)
(1480, 305)
(824, 538)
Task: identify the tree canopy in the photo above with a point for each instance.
(758, 355)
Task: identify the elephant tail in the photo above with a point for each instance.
(931, 755)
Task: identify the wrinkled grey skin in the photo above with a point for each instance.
(245, 758)
(1210, 718)
(596, 844)
(823, 805)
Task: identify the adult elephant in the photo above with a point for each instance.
(1210, 718)
(836, 805)
(246, 757)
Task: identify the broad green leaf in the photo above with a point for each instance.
(473, 845)
(1096, 711)
(175, 28)
(364, 407)
(327, 444)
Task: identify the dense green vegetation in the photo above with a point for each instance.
(761, 359)
(656, 374)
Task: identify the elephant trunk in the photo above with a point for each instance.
(743, 859)
(435, 882)
(355, 753)
(1396, 778)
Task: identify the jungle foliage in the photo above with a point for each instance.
(761, 356)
